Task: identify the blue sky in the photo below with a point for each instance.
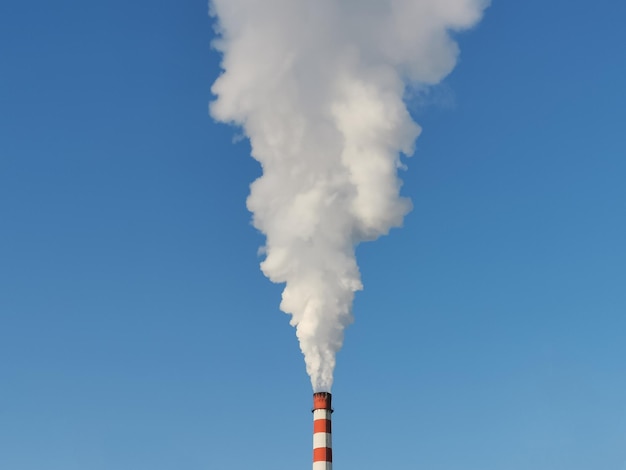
(137, 332)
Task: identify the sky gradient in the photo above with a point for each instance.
(137, 332)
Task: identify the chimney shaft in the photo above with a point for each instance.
(322, 442)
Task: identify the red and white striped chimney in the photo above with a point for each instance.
(322, 442)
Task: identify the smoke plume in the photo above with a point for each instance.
(318, 86)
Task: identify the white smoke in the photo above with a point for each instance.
(317, 86)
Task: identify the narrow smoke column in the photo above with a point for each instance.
(322, 442)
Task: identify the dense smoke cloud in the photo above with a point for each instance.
(318, 87)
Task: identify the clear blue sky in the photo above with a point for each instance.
(137, 332)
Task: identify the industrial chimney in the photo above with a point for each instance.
(322, 442)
